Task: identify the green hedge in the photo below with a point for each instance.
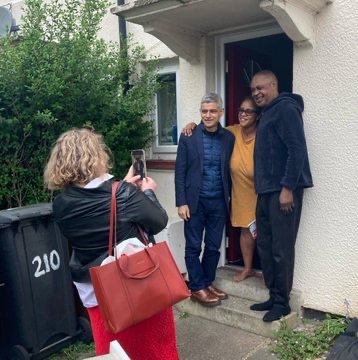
(58, 75)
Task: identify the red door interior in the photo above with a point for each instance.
(241, 64)
(243, 60)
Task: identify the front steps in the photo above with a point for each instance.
(235, 311)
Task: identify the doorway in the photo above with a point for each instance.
(242, 60)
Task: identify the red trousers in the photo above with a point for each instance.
(152, 339)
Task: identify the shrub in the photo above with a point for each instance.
(59, 75)
(310, 342)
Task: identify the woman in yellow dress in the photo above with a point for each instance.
(243, 196)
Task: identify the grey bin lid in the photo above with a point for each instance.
(10, 216)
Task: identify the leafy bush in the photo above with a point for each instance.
(59, 75)
(310, 342)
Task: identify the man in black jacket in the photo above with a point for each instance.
(281, 173)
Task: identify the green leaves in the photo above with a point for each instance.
(79, 350)
(60, 76)
(309, 342)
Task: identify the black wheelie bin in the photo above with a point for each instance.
(37, 306)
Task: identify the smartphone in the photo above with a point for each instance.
(138, 162)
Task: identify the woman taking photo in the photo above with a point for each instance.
(79, 165)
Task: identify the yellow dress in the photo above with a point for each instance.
(243, 196)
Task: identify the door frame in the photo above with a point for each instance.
(222, 40)
(220, 70)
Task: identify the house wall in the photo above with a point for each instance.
(327, 246)
(326, 270)
(16, 7)
(109, 29)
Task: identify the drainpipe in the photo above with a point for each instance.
(122, 28)
(121, 25)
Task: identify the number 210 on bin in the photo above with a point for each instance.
(46, 263)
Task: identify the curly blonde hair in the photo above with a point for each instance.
(79, 156)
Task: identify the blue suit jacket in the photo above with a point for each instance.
(189, 166)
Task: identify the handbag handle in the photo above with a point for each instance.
(123, 264)
(113, 222)
(143, 236)
(113, 219)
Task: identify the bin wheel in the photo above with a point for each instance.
(85, 330)
(18, 352)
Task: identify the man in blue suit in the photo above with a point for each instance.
(202, 190)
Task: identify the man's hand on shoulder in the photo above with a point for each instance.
(187, 130)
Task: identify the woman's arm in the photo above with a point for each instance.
(187, 129)
(142, 207)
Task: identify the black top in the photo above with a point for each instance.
(83, 217)
(281, 158)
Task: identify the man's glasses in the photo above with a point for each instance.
(246, 111)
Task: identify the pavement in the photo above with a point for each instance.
(202, 339)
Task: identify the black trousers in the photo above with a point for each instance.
(276, 238)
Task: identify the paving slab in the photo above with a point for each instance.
(203, 339)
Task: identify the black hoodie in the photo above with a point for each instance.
(281, 158)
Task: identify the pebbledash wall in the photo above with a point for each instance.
(327, 246)
(326, 270)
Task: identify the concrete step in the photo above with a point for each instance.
(252, 288)
(235, 311)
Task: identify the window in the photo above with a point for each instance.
(167, 111)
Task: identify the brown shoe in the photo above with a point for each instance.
(219, 293)
(205, 298)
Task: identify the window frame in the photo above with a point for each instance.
(170, 67)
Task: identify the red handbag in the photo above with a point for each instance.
(135, 287)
